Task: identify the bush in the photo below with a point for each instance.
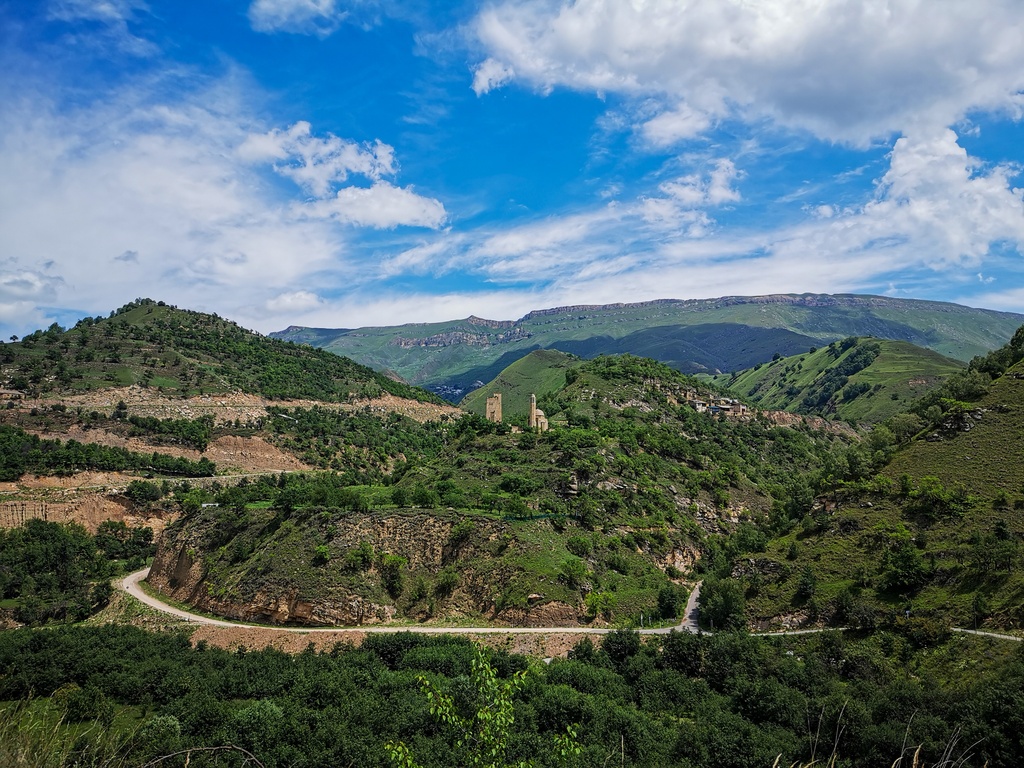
(360, 558)
(573, 572)
(321, 555)
(143, 491)
(581, 546)
(447, 581)
(722, 604)
(670, 600)
(460, 533)
(601, 603)
(391, 574)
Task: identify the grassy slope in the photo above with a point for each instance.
(953, 330)
(540, 372)
(184, 352)
(630, 480)
(845, 548)
(900, 374)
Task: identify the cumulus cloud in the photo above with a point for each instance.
(315, 163)
(491, 74)
(319, 165)
(674, 125)
(156, 185)
(382, 206)
(935, 211)
(293, 302)
(685, 194)
(846, 70)
(943, 203)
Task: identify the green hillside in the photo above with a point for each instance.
(595, 518)
(177, 351)
(540, 373)
(863, 380)
(727, 334)
(937, 533)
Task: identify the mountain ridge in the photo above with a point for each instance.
(453, 357)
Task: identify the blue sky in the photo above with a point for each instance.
(367, 162)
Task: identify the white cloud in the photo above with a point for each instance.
(113, 15)
(320, 17)
(110, 11)
(675, 125)
(128, 196)
(846, 70)
(382, 206)
(685, 194)
(1010, 300)
(491, 74)
(293, 303)
(314, 163)
(940, 201)
(935, 212)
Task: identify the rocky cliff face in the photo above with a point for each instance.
(272, 591)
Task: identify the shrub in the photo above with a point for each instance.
(391, 574)
(580, 546)
(447, 581)
(460, 533)
(573, 572)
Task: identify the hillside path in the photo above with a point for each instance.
(130, 584)
(983, 633)
(692, 612)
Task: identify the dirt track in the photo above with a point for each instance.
(534, 641)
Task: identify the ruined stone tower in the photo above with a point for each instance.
(494, 408)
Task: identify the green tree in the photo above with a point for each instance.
(722, 604)
(573, 572)
(481, 738)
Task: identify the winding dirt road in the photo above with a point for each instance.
(130, 584)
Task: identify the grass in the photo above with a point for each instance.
(35, 734)
(956, 547)
(539, 373)
(900, 374)
(951, 330)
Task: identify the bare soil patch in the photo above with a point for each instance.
(547, 645)
(228, 407)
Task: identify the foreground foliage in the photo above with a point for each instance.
(681, 700)
(50, 571)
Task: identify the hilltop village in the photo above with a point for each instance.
(537, 420)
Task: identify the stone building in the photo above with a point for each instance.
(494, 408)
(538, 421)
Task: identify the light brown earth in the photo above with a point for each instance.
(90, 498)
(231, 454)
(787, 419)
(88, 508)
(152, 613)
(227, 407)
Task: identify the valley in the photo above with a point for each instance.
(862, 496)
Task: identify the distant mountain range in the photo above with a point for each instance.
(694, 336)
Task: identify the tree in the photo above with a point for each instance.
(573, 572)
(482, 737)
(669, 601)
(722, 604)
